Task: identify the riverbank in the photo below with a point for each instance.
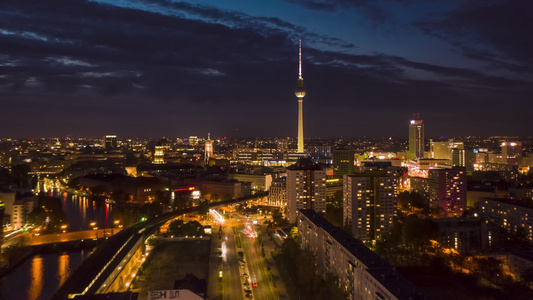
(20, 254)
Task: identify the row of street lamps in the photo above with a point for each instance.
(95, 228)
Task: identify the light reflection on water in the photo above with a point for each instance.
(38, 277)
(82, 211)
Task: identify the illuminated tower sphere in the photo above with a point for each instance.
(300, 93)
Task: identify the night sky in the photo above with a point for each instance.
(157, 68)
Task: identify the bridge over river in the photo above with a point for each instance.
(110, 266)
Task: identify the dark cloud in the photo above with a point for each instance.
(178, 69)
(497, 32)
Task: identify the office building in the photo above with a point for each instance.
(416, 139)
(343, 162)
(447, 191)
(260, 182)
(159, 155)
(110, 142)
(443, 150)
(320, 154)
(193, 141)
(362, 273)
(512, 153)
(306, 188)
(369, 204)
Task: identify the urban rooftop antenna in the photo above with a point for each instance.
(300, 60)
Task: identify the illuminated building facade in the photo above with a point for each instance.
(512, 215)
(300, 94)
(362, 273)
(208, 154)
(110, 142)
(7, 198)
(447, 191)
(260, 182)
(159, 155)
(193, 141)
(320, 154)
(512, 153)
(416, 139)
(21, 210)
(278, 193)
(443, 150)
(306, 188)
(369, 204)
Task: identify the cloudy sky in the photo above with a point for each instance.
(141, 68)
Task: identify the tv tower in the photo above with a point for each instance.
(300, 93)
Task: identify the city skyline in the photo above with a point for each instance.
(163, 68)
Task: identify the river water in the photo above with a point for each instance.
(38, 277)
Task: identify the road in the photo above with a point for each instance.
(28, 240)
(224, 258)
(68, 236)
(257, 267)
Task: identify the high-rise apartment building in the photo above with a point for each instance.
(512, 153)
(369, 203)
(306, 188)
(447, 191)
(278, 193)
(416, 139)
(361, 273)
(343, 162)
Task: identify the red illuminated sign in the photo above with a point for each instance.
(191, 188)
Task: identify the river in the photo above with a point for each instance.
(38, 277)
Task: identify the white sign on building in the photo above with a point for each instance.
(183, 294)
(163, 295)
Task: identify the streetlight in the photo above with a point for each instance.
(93, 225)
(116, 225)
(64, 228)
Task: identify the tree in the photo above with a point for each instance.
(175, 226)
(418, 231)
(178, 228)
(152, 210)
(277, 217)
(203, 207)
(407, 201)
(294, 233)
(489, 268)
(98, 190)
